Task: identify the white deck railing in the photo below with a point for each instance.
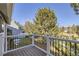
(49, 39)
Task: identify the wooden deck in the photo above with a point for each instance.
(26, 51)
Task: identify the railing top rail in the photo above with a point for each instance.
(25, 35)
(50, 37)
(62, 39)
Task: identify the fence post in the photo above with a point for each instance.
(48, 45)
(33, 40)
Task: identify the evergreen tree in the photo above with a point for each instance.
(74, 28)
(46, 22)
(20, 26)
(75, 7)
(29, 27)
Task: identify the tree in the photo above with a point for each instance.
(29, 27)
(46, 22)
(20, 26)
(62, 29)
(77, 29)
(75, 7)
(74, 28)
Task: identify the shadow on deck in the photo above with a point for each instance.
(26, 51)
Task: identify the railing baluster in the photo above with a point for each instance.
(70, 48)
(66, 48)
(75, 49)
(58, 48)
(54, 46)
(10, 44)
(14, 43)
(62, 48)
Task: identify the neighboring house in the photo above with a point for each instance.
(14, 28)
(14, 31)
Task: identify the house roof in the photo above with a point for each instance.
(13, 24)
(6, 12)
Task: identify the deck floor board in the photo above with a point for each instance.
(26, 51)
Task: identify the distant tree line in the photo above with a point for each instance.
(74, 29)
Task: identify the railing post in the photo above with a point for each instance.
(5, 36)
(33, 40)
(48, 45)
(1, 44)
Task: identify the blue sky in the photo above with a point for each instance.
(23, 12)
